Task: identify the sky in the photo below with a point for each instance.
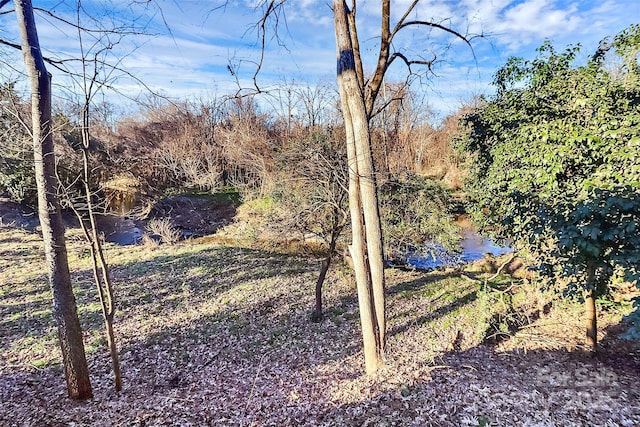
(187, 48)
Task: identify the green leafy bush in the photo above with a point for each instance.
(556, 160)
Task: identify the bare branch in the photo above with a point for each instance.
(406, 14)
(383, 58)
(273, 10)
(13, 45)
(117, 30)
(16, 112)
(444, 28)
(409, 63)
(384, 106)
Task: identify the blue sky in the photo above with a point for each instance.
(191, 43)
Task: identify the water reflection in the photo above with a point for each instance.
(119, 230)
(121, 203)
(474, 247)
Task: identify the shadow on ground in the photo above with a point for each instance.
(221, 336)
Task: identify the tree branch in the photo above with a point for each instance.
(373, 88)
(13, 45)
(409, 63)
(444, 28)
(56, 63)
(116, 30)
(273, 9)
(385, 59)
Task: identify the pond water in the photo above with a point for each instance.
(193, 215)
(119, 230)
(116, 226)
(123, 230)
(474, 247)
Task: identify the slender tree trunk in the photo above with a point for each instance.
(101, 278)
(101, 273)
(591, 315)
(64, 303)
(317, 311)
(326, 263)
(366, 247)
(113, 351)
(373, 232)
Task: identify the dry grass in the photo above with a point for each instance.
(164, 229)
(212, 334)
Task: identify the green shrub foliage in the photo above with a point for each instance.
(417, 217)
(556, 160)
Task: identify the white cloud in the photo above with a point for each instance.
(536, 19)
(192, 59)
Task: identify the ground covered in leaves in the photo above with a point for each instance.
(213, 334)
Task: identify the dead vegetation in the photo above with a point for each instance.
(215, 334)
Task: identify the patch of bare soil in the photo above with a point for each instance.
(195, 216)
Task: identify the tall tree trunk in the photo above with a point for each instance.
(366, 248)
(371, 345)
(591, 315)
(64, 303)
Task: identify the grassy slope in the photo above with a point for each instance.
(219, 335)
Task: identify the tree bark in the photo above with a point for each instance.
(591, 315)
(64, 303)
(366, 247)
(337, 228)
(357, 249)
(317, 312)
(101, 274)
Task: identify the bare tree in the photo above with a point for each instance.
(246, 144)
(366, 246)
(92, 71)
(358, 97)
(92, 61)
(318, 100)
(64, 303)
(312, 197)
(97, 70)
(188, 153)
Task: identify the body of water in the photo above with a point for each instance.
(474, 247)
(119, 230)
(124, 231)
